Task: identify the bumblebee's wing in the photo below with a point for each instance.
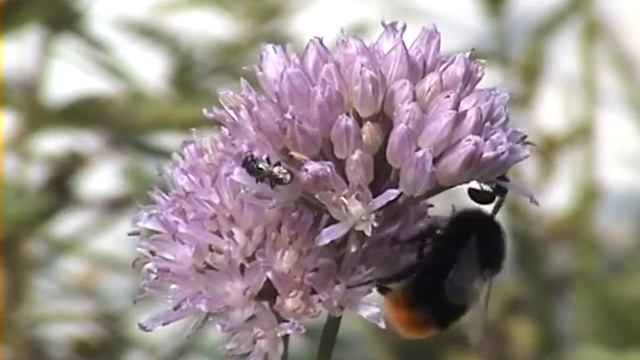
(464, 283)
(474, 323)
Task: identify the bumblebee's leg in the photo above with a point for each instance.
(420, 252)
(400, 275)
(425, 239)
(383, 289)
(501, 193)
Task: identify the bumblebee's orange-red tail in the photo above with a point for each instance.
(408, 322)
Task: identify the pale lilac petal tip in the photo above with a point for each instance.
(384, 198)
(371, 312)
(519, 189)
(332, 233)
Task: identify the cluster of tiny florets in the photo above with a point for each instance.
(364, 135)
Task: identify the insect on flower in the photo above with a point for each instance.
(261, 169)
(453, 265)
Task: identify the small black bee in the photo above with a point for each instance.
(447, 279)
(261, 169)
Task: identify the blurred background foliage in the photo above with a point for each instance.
(76, 165)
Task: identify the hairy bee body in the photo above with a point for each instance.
(262, 170)
(467, 252)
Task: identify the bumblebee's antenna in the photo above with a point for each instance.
(501, 193)
(498, 205)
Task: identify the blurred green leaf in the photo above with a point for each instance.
(598, 352)
(623, 65)
(533, 57)
(494, 8)
(121, 115)
(57, 15)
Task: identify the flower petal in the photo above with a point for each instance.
(332, 233)
(384, 198)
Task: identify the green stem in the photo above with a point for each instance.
(328, 337)
(285, 352)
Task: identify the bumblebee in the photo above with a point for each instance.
(262, 170)
(463, 256)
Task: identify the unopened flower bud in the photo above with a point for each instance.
(372, 136)
(295, 88)
(469, 123)
(411, 114)
(273, 61)
(368, 88)
(461, 74)
(359, 167)
(402, 144)
(302, 136)
(426, 49)
(427, 89)
(400, 92)
(437, 131)
(446, 100)
(315, 57)
(268, 119)
(352, 48)
(329, 105)
(320, 176)
(395, 64)
(417, 174)
(391, 36)
(457, 163)
(345, 136)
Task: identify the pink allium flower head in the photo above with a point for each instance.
(368, 133)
